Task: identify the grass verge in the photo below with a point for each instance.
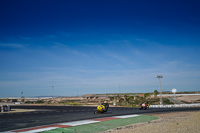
(103, 126)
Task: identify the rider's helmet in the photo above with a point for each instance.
(105, 102)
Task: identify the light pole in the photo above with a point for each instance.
(159, 77)
(52, 92)
(22, 97)
(119, 89)
(22, 94)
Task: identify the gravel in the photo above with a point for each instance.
(178, 122)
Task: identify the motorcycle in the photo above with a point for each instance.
(102, 108)
(144, 106)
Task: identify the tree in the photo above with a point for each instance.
(155, 93)
(111, 98)
(14, 100)
(39, 101)
(22, 100)
(146, 95)
(126, 97)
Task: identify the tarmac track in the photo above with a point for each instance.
(45, 115)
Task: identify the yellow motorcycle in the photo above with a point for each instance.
(102, 107)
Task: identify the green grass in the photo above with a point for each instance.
(71, 103)
(167, 101)
(103, 126)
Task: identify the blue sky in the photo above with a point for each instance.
(89, 47)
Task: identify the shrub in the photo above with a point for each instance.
(14, 100)
(70, 103)
(39, 101)
(111, 98)
(166, 101)
(28, 102)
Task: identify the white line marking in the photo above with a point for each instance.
(40, 130)
(125, 116)
(76, 123)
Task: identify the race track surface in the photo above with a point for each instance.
(45, 115)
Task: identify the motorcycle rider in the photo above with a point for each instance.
(105, 103)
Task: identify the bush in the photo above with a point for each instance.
(28, 102)
(70, 103)
(14, 100)
(39, 102)
(166, 101)
(111, 98)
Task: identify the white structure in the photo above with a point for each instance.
(174, 91)
(175, 105)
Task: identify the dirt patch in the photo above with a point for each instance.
(189, 99)
(181, 122)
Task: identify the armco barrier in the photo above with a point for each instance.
(175, 105)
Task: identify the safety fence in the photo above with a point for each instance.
(175, 105)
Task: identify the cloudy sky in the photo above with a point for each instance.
(95, 46)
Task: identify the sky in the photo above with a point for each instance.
(98, 46)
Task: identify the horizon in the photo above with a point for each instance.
(87, 47)
(187, 92)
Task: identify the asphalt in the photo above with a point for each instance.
(45, 115)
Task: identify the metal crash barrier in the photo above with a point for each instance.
(4, 108)
(175, 105)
